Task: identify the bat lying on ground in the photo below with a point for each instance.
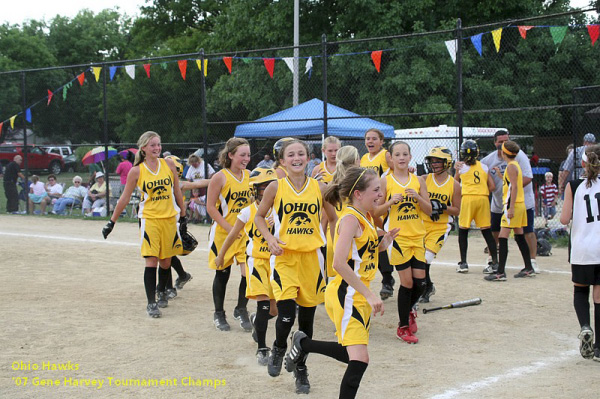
(461, 304)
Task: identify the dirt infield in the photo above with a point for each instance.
(73, 306)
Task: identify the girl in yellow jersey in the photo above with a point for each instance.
(348, 299)
(476, 185)
(444, 194)
(228, 194)
(379, 159)
(161, 204)
(297, 267)
(406, 199)
(258, 268)
(514, 216)
(325, 170)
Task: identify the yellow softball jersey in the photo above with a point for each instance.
(441, 193)
(158, 198)
(297, 215)
(325, 174)
(405, 214)
(377, 163)
(473, 179)
(257, 246)
(363, 257)
(234, 195)
(507, 185)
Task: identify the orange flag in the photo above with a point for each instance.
(376, 57)
(594, 31)
(227, 61)
(147, 69)
(270, 65)
(523, 31)
(81, 78)
(50, 94)
(182, 67)
(1, 124)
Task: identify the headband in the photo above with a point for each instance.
(354, 185)
(507, 152)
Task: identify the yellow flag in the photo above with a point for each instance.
(205, 66)
(97, 72)
(497, 35)
(12, 121)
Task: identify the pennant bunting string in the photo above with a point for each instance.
(147, 69)
(227, 61)
(182, 67)
(81, 78)
(130, 69)
(309, 67)
(50, 94)
(523, 30)
(269, 65)
(558, 34)
(451, 46)
(376, 57)
(96, 71)
(1, 125)
(112, 70)
(476, 40)
(497, 36)
(12, 121)
(28, 115)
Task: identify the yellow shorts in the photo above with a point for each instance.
(404, 248)
(299, 276)
(518, 220)
(349, 311)
(216, 238)
(436, 235)
(258, 271)
(474, 207)
(160, 238)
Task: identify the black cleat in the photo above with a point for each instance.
(171, 293)
(153, 310)
(254, 335)
(163, 301)
(495, 277)
(586, 342)
(241, 314)
(180, 282)
(462, 267)
(491, 268)
(302, 383)
(220, 321)
(262, 356)
(296, 354)
(429, 291)
(275, 361)
(387, 291)
(525, 273)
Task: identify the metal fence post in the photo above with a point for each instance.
(324, 57)
(105, 112)
(459, 82)
(25, 149)
(203, 105)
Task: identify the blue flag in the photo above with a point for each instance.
(28, 115)
(112, 70)
(476, 40)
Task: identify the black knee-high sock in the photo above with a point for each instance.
(163, 276)
(404, 295)
(285, 322)
(463, 243)
(524, 248)
(597, 323)
(428, 275)
(242, 300)
(491, 243)
(327, 348)
(503, 246)
(385, 268)
(176, 264)
(581, 303)
(419, 286)
(352, 378)
(150, 283)
(170, 279)
(261, 322)
(306, 320)
(220, 287)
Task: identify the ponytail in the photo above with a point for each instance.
(592, 165)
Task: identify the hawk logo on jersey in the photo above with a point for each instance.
(299, 219)
(160, 190)
(239, 198)
(240, 202)
(406, 207)
(301, 216)
(407, 210)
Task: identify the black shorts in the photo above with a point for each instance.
(413, 263)
(496, 219)
(586, 274)
(530, 221)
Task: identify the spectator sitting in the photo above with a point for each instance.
(73, 195)
(54, 190)
(267, 162)
(549, 192)
(96, 196)
(37, 193)
(197, 206)
(93, 168)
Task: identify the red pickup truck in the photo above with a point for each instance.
(37, 158)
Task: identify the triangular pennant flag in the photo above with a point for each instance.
(476, 40)
(309, 65)
(497, 35)
(182, 67)
(65, 88)
(523, 31)
(130, 69)
(147, 69)
(81, 78)
(205, 67)
(246, 60)
(558, 34)
(270, 65)
(50, 94)
(1, 124)
(199, 65)
(594, 31)
(451, 46)
(112, 70)
(12, 121)
(227, 61)
(289, 61)
(28, 115)
(96, 71)
(376, 57)
(163, 65)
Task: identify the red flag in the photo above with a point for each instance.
(147, 68)
(1, 124)
(376, 57)
(182, 67)
(50, 94)
(594, 31)
(523, 30)
(270, 65)
(81, 78)
(227, 61)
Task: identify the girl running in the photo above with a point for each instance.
(582, 205)
(515, 215)
(258, 267)
(229, 193)
(444, 194)
(297, 267)
(280, 169)
(406, 199)
(348, 299)
(160, 204)
(325, 170)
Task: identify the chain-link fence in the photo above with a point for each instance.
(536, 78)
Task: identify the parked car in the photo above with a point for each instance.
(67, 154)
(37, 158)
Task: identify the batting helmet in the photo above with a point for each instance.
(442, 153)
(544, 248)
(262, 175)
(178, 164)
(469, 151)
(188, 241)
(278, 145)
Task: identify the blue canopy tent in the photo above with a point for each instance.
(288, 123)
